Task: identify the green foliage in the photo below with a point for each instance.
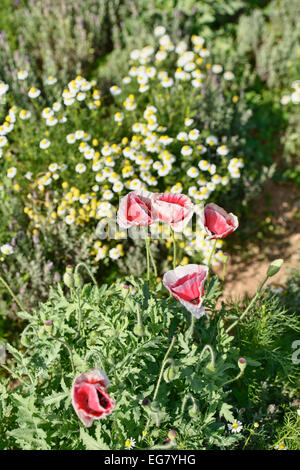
(93, 327)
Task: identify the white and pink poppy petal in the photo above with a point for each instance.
(176, 209)
(217, 222)
(136, 209)
(186, 284)
(89, 396)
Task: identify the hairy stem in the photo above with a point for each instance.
(12, 294)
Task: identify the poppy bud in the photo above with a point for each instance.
(210, 367)
(274, 267)
(170, 373)
(242, 363)
(138, 330)
(68, 277)
(41, 332)
(172, 434)
(78, 281)
(193, 411)
(48, 326)
(24, 341)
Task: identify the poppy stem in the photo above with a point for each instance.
(88, 271)
(212, 354)
(189, 396)
(147, 240)
(163, 366)
(174, 249)
(249, 306)
(191, 329)
(15, 374)
(211, 255)
(12, 294)
(152, 260)
(69, 351)
(234, 378)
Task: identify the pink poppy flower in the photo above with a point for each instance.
(136, 209)
(176, 209)
(186, 284)
(217, 222)
(90, 399)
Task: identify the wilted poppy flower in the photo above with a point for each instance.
(176, 209)
(90, 398)
(136, 209)
(217, 222)
(186, 284)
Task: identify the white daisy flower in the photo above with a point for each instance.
(228, 75)
(129, 443)
(188, 122)
(167, 82)
(3, 141)
(47, 113)
(51, 121)
(108, 195)
(222, 150)
(69, 219)
(3, 88)
(34, 92)
(204, 165)
(118, 117)
(235, 427)
(126, 80)
(186, 150)
(201, 149)
(50, 80)
(285, 99)
(7, 249)
(71, 138)
(295, 97)
(56, 106)
(53, 167)
(280, 446)
(22, 74)
(193, 172)
(197, 83)
(11, 172)
(81, 96)
(211, 140)
(159, 31)
(217, 68)
(44, 143)
(115, 90)
(194, 134)
(80, 168)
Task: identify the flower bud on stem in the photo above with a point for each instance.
(83, 265)
(68, 277)
(193, 410)
(164, 362)
(242, 363)
(139, 329)
(211, 365)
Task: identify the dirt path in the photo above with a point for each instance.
(281, 203)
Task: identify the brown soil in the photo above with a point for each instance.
(281, 203)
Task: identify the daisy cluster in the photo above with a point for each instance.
(294, 96)
(141, 149)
